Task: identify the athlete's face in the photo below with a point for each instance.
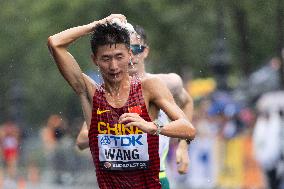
(113, 61)
(138, 57)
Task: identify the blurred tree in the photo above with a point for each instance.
(220, 62)
(280, 38)
(241, 27)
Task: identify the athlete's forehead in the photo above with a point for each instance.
(112, 49)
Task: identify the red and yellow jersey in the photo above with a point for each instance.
(123, 157)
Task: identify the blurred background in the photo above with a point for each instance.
(228, 53)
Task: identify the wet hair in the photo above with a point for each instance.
(141, 32)
(104, 34)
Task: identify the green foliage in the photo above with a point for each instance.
(181, 35)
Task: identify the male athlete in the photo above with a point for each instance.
(140, 50)
(123, 137)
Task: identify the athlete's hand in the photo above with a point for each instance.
(114, 17)
(182, 157)
(133, 119)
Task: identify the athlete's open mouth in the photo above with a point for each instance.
(114, 74)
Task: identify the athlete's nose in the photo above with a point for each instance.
(113, 65)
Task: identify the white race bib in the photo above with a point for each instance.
(123, 152)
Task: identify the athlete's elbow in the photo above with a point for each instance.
(52, 43)
(191, 131)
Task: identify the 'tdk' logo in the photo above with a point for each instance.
(121, 140)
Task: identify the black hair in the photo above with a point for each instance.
(108, 33)
(141, 32)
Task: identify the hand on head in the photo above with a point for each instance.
(114, 18)
(120, 20)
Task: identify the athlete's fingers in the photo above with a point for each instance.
(182, 169)
(127, 115)
(120, 16)
(130, 124)
(183, 161)
(127, 119)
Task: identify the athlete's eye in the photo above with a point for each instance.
(119, 57)
(105, 59)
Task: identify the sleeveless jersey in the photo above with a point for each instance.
(123, 157)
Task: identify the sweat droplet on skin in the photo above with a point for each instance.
(131, 63)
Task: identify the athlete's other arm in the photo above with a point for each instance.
(182, 156)
(82, 140)
(157, 95)
(185, 102)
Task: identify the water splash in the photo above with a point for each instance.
(138, 37)
(60, 113)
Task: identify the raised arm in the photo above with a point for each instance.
(69, 68)
(65, 62)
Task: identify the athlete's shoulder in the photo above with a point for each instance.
(152, 85)
(151, 80)
(172, 80)
(170, 77)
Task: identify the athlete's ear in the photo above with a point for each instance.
(94, 58)
(146, 51)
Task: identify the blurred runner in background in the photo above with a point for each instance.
(10, 140)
